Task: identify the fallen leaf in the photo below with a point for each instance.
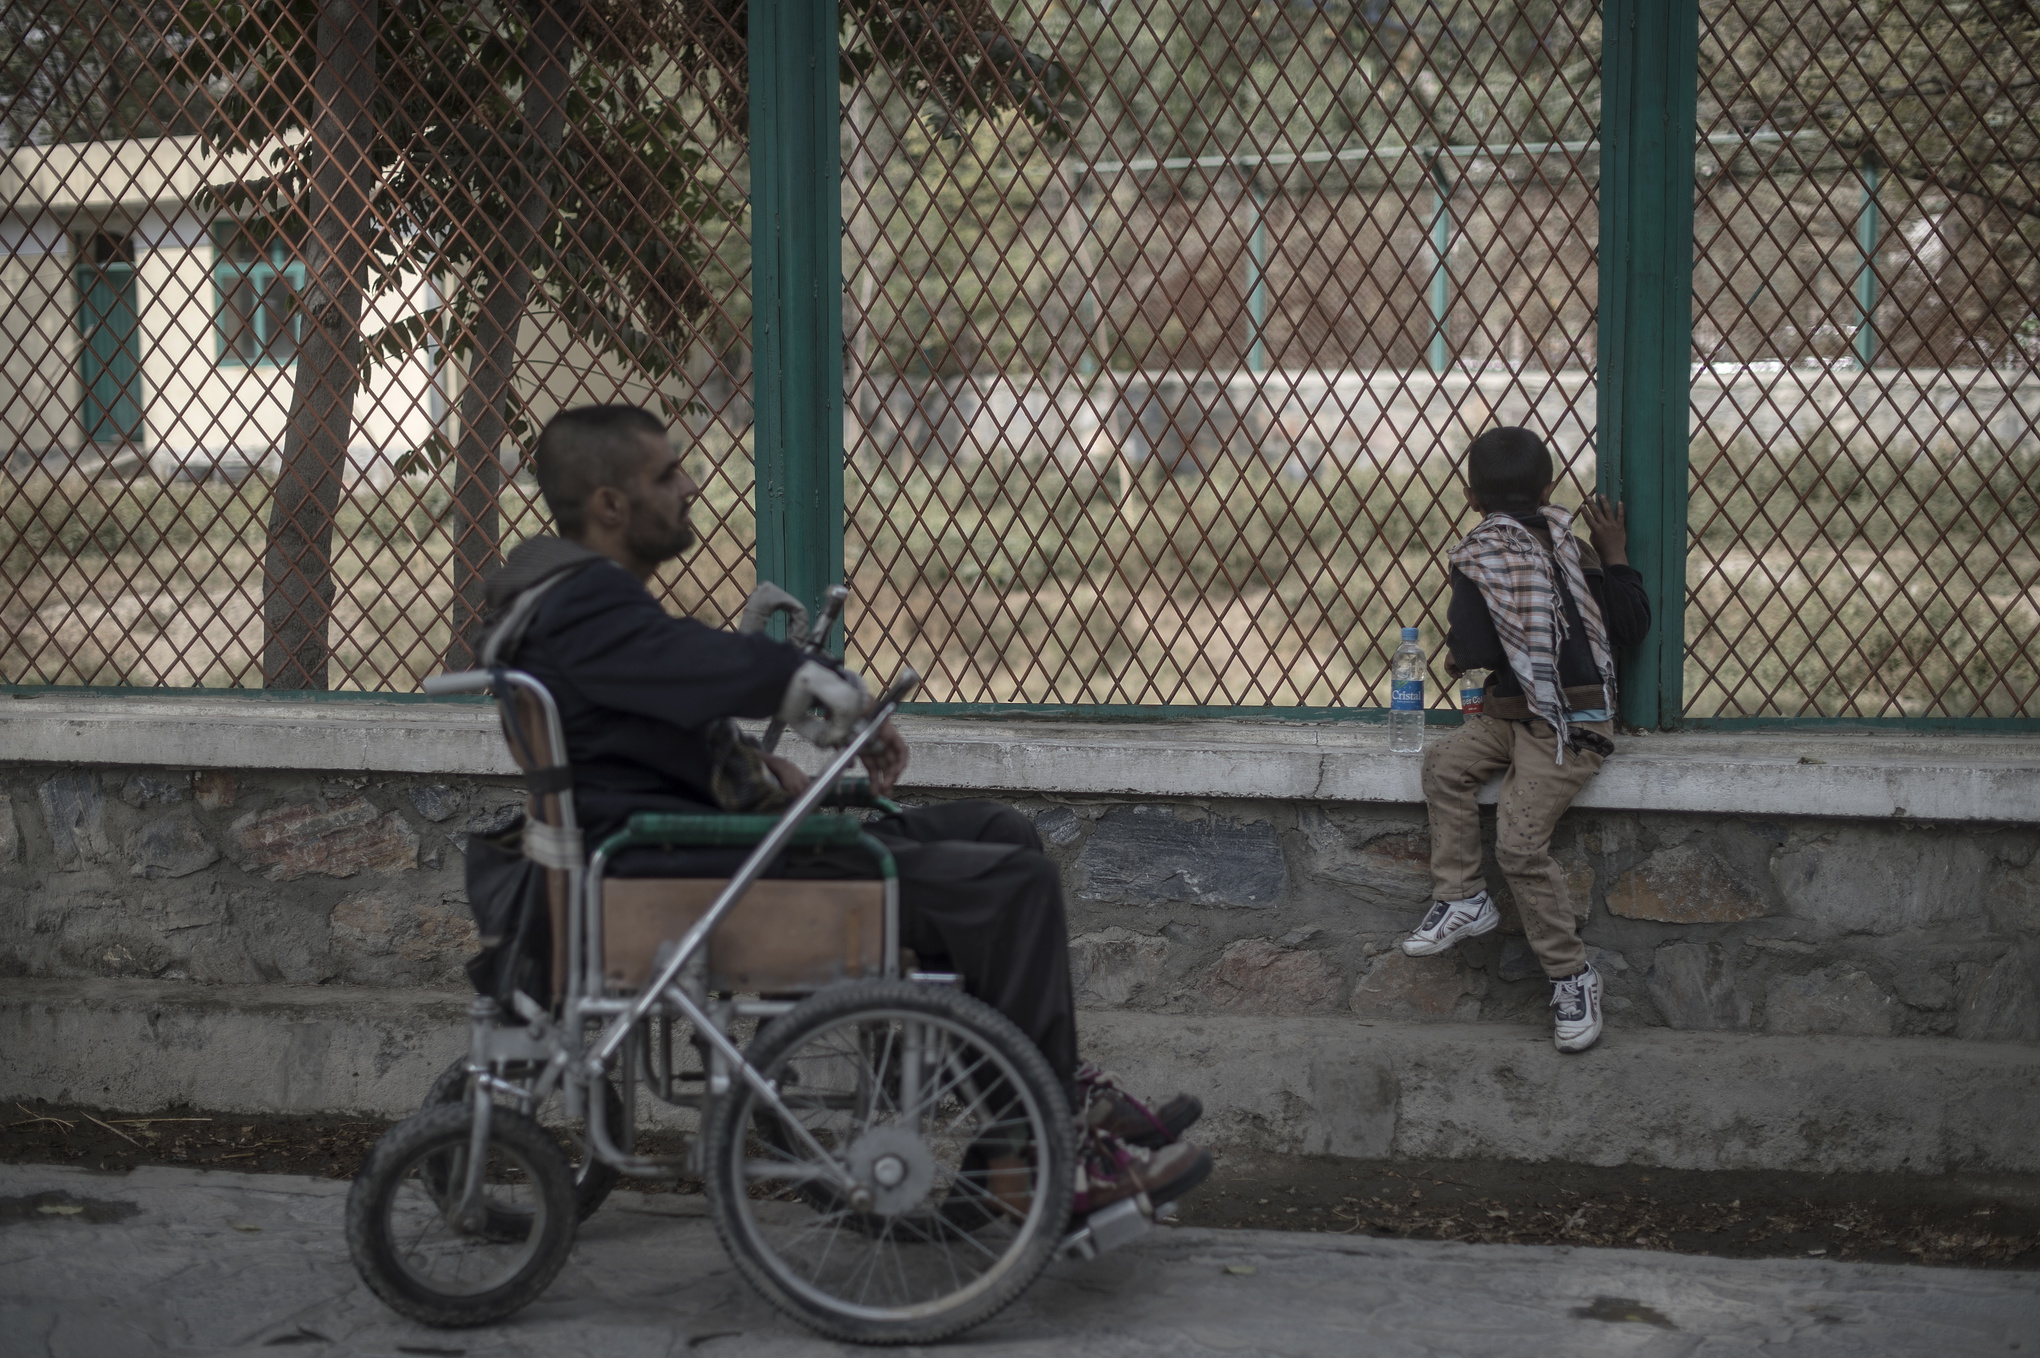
(60, 1209)
(1241, 1270)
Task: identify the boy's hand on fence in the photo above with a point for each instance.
(1608, 529)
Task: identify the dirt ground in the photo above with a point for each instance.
(1970, 1220)
(1967, 1220)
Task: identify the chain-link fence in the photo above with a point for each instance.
(1157, 400)
(1866, 388)
(1164, 329)
(291, 285)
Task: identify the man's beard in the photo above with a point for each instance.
(659, 542)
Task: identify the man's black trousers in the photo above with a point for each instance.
(978, 896)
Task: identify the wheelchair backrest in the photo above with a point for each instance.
(530, 722)
(789, 936)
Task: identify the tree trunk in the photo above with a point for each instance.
(297, 567)
(487, 402)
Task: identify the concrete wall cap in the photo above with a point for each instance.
(1993, 778)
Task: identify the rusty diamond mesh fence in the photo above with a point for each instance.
(1866, 389)
(1156, 399)
(1164, 325)
(289, 288)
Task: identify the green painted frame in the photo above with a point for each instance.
(267, 695)
(274, 264)
(797, 292)
(1159, 712)
(1650, 62)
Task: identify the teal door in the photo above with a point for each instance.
(110, 352)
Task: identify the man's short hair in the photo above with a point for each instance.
(581, 450)
(1507, 470)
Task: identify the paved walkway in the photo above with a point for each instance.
(186, 1261)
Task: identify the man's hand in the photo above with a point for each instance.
(1453, 669)
(885, 759)
(791, 780)
(1608, 529)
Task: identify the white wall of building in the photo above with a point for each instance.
(200, 414)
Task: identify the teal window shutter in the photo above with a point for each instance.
(257, 280)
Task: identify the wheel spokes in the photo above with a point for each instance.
(870, 1081)
(447, 1258)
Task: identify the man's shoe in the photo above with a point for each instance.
(1117, 1113)
(1577, 999)
(1109, 1170)
(1108, 1108)
(1450, 921)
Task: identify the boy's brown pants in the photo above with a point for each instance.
(1536, 790)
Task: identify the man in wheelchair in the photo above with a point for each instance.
(648, 701)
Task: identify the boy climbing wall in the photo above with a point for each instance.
(1541, 611)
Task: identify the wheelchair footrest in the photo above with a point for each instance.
(1108, 1228)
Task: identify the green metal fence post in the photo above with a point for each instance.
(1440, 290)
(797, 292)
(1867, 229)
(1650, 63)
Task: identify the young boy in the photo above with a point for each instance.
(1541, 611)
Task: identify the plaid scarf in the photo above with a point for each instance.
(1516, 575)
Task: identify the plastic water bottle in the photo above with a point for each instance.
(1406, 669)
(1472, 692)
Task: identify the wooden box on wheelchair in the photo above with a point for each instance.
(858, 1149)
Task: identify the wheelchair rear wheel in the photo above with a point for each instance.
(955, 1133)
(413, 1255)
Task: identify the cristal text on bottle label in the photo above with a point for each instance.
(1406, 695)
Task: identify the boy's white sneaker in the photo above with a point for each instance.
(1450, 921)
(1577, 1024)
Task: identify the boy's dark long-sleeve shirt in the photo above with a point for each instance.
(1473, 642)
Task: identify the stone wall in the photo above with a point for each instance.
(1205, 906)
(238, 879)
(1798, 926)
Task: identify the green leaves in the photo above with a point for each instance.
(435, 330)
(433, 454)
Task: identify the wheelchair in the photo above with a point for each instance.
(839, 1109)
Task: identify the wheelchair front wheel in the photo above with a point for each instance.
(920, 1092)
(593, 1180)
(425, 1265)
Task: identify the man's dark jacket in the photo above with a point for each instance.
(637, 688)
